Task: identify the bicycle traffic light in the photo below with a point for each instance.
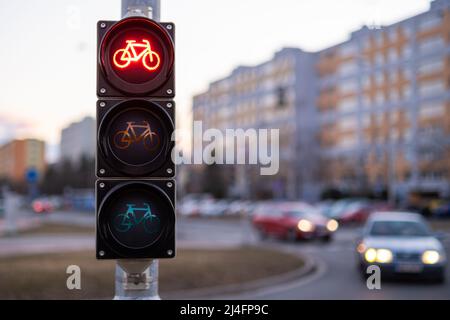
(135, 219)
(136, 57)
(135, 138)
(135, 204)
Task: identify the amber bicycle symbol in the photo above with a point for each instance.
(124, 138)
(150, 59)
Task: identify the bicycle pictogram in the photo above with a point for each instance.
(124, 222)
(122, 58)
(124, 138)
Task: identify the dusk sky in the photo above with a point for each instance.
(48, 55)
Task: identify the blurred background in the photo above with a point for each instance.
(360, 91)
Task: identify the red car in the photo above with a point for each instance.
(358, 212)
(42, 206)
(293, 221)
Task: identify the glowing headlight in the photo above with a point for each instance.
(305, 225)
(430, 257)
(384, 256)
(332, 225)
(378, 255)
(370, 255)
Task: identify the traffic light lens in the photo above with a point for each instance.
(136, 56)
(136, 136)
(136, 215)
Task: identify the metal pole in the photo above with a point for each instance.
(11, 206)
(138, 279)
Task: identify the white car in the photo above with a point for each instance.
(401, 243)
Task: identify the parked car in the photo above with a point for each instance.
(42, 205)
(336, 209)
(237, 208)
(359, 211)
(215, 208)
(355, 212)
(293, 221)
(190, 204)
(401, 243)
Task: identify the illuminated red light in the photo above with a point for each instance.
(123, 57)
(136, 56)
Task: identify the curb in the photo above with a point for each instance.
(212, 292)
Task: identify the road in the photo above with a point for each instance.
(336, 276)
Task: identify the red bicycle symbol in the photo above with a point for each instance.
(123, 57)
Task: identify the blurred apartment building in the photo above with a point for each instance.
(78, 139)
(371, 113)
(19, 156)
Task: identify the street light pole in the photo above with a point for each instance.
(138, 279)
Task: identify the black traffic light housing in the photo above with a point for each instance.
(128, 225)
(135, 192)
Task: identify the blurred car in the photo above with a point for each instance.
(213, 208)
(355, 212)
(358, 212)
(401, 243)
(335, 210)
(324, 206)
(42, 205)
(236, 208)
(190, 204)
(189, 208)
(293, 221)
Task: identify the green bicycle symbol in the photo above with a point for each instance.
(124, 222)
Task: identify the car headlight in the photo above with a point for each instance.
(370, 255)
(430, 257)
(305, 225)
(332, 225)
(378, 255)
(384, 256)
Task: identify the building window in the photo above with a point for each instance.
(379, 59)
(348, 86)
(348, 123)
(432, 110)
(431, 44)
(348, 104)
(347, 141)
(281, 97)
(392, 55)
(430, 21)
(348, 68)
(430, 66)
(348, 49)
(430, 88)
(406, 52)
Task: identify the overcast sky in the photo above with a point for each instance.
(48, 48)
